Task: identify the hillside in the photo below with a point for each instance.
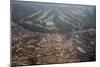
(53, 17)
(47, 33)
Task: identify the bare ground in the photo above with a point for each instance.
(31, 48)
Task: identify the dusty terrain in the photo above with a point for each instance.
(49, 48)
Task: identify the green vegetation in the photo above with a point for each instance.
(54, 18)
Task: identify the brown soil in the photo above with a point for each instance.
(29, 48)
